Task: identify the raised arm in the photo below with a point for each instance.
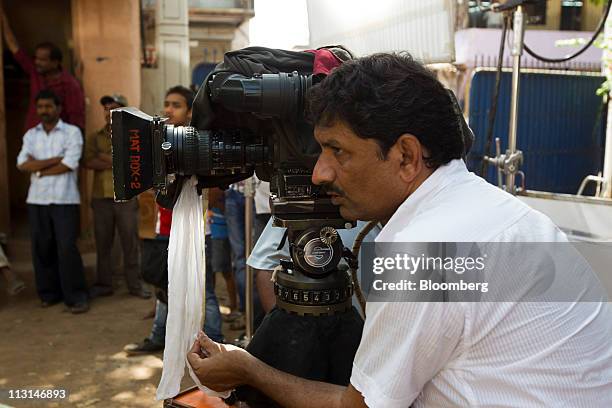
(21, 57)
(9, 36)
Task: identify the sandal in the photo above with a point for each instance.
(15, 287)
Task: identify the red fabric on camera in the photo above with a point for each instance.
(324, 62)
(164, 221)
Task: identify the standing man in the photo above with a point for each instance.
(46, 72)
(109, 215)
(234, 215)
(51, 151)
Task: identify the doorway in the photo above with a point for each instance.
(40, 21)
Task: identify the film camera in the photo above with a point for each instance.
(254, 123)
(245, 123)
(259, 127)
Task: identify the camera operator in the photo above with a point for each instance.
(392, 151)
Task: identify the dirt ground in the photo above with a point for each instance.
(79, 353)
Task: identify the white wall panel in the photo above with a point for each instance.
(173, 43)
(423, 28)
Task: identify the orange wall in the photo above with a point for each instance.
(107, 49)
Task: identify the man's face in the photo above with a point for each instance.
(47, 110)
(43, 61)
(176, 110)
(107, 108)
(358, 179)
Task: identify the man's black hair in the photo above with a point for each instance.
(48, 94)
(185, 92)
(55, 54)
(383, 96)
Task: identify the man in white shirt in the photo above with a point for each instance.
(50, 153)
(391, 151)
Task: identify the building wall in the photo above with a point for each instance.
(208, 44)
(591, 14)
(107, 46)
(167, 37)
(107, 49)
(213, 32)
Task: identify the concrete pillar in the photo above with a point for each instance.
(107, 47)
(107, 50)
(5, 202)
(172, 38)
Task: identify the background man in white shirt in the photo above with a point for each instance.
(392, 143)
(51, 151)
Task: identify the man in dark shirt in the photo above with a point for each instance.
(109, 215)
(46, 72)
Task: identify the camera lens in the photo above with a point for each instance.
(212, 152)
(279, 95)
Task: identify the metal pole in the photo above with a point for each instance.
(249, 193)
(517, 51)
(607, 60)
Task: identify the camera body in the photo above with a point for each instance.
(243, 125)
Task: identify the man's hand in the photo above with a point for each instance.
(102, 161)
(55, 170)
(32, 165)
(220, 367)
(106, 157)
(223, 367)
(9, 36)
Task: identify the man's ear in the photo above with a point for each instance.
(410, 153)
(189, 115)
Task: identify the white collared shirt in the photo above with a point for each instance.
(64, 141)
(480, 354)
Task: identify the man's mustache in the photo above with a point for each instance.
(330, 188)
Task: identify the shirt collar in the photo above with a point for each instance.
(436, 182)
(58, 126)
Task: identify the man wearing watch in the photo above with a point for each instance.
(50, 152)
